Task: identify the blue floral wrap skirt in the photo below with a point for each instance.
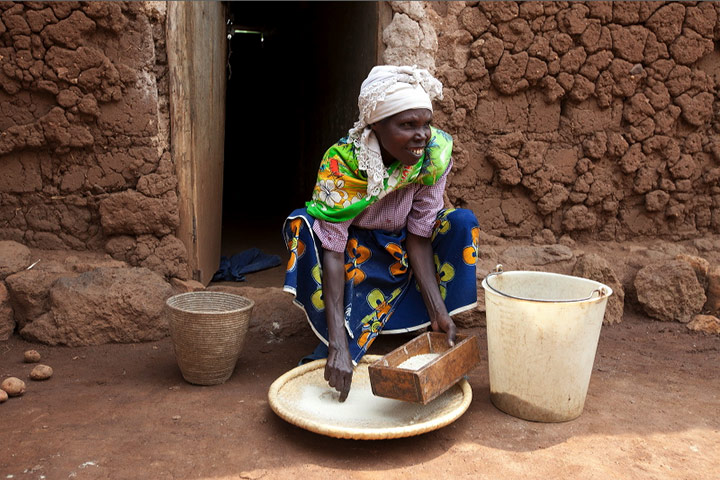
(381, 294)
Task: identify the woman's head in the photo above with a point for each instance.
(395, 104)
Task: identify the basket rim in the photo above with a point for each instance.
(248, 302)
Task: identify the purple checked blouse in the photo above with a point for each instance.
(415, 206)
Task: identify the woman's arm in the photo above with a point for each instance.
(420, 255)
(339, 367)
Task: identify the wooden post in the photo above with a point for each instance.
(197, 55)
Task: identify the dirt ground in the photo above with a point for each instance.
(124, 412)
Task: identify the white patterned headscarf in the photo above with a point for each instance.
(387, 90)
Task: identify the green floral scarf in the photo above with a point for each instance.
(341, 190)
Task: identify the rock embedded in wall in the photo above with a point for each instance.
(108, 15)
(104, 305)
(130, 212)
(696, 110)
(473, 20)
(578, 217)
(700, 265)
(166, 255)
(406, 43)
(29, 290)
(83, 315)
(667, 21)
(670, 291)
(508, 76)
(14, 257)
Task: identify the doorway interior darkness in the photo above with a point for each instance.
(292, 92)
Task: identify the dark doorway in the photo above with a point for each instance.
(292, 92)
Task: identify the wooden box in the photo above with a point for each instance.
(430, 380)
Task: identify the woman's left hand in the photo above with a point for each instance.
(443, 322)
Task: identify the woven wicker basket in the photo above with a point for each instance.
(208, 331)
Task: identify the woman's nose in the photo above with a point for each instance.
(422, 134)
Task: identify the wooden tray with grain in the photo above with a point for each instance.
(425, 383)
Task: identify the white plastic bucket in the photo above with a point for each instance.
(542, 333)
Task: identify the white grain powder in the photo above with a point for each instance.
(361, 408)
(416, 362)
(312, 399)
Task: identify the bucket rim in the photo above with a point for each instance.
(603, 291)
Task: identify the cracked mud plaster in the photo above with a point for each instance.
(627, 90)
(84, 144)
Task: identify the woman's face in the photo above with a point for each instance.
(403, 136)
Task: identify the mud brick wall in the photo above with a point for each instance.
(594, 119)
(597, 119)
(84, 153)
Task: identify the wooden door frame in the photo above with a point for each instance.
(196, 32)
(188, 25)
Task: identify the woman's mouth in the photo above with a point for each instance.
(416, 151)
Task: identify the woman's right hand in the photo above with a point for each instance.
(339, 367)
(339, 370)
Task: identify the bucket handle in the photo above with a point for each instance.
(601, 292)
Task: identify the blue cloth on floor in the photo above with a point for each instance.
(233, 269)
